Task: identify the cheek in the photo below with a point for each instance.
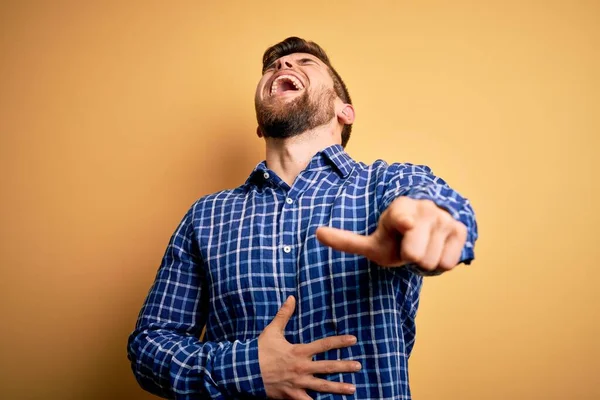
(329, 81)
(321, 83)
(257, 93)
(260, 88)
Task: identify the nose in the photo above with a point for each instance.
(283, 62)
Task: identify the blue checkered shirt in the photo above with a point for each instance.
(238, 254)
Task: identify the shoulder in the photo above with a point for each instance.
(382, 170)
(217, 201)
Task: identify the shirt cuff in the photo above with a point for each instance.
(239, 369)
(415, 269)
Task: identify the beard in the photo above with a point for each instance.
(279, 119)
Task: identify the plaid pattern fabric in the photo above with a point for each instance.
(238, 254)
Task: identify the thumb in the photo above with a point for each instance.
(284, 314)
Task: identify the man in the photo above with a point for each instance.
(307, 277)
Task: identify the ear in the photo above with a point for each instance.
(346, 114)
(259, 132)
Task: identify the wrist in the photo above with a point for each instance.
(238, 369)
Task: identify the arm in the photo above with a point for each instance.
(166, 356)
(424, 225)
(410, 285)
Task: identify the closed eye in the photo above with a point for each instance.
(305, 61)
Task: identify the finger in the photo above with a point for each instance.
(414, 243)
(453, 249)
(398, 219)
(332, 367)
(435, 247)
(400, 215)
(324, 386)
(345, 241)
(284, 314)
(326, 344)
(299, 394)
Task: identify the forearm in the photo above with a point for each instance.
(172, 365)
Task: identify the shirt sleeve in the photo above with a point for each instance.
(166, 355)
(410, 285)
(418, 182)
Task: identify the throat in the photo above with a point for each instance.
(289, 157)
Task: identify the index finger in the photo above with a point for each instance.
(326, 344)
(346, 241)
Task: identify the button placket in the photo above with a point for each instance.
(288, 240)
(288, 221)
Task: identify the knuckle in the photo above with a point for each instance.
(410, 254)
(297, 381)
(427, 264)
(325, 345)
(371, 250)
(297, 351)
(461, 229)
(324, 386)
(445, 266)
(300, 394)
(399, 201)
(291, 393)
(445, 220)
(298, 369)
(449, 261)
(427, 205)
(445, 263)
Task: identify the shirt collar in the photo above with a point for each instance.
(338, 158)
(333, 156)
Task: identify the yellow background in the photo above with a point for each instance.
(116, 116)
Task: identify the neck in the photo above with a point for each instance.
(288, 157)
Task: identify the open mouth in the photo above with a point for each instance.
(286, 83)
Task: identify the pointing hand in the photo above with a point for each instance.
(409, 231)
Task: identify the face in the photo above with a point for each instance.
(294, 95)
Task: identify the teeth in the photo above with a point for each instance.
(295, 81)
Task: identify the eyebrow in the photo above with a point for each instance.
(315, 60)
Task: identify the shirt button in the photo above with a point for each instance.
(266, 175)
(289, 200)
(287, 249)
